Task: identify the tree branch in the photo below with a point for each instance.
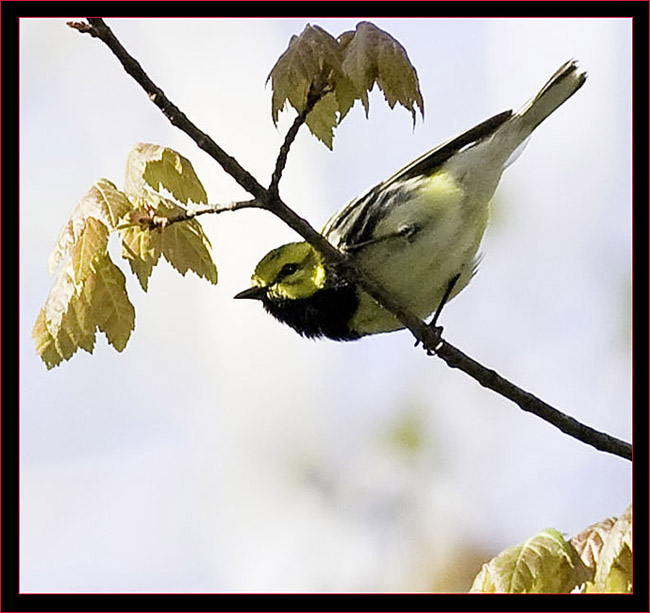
(527, 402)
(98, 29)
(268, 199)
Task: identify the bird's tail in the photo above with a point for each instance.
(515, 134)
(560, 87)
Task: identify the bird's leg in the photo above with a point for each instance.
(445, 298)
(406, 231)
(432, 324)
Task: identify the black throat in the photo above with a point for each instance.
(327, 312)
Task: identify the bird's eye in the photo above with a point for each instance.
(288, 269)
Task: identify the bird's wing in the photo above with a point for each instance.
(427, 163)
(352, 227)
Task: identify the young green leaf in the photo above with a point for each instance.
(374, 56)
(79, 323)
(303, 68)
(103, 202)
(68, 319)
(89, 293)
(184, 245)
(91, 242)
(345, 92)
(545, 563)
(316, 65)
(323, 119)
(111, 308)
(54, 342)
(614, 566)
(141, 247)
(156, 167)
(74, 310)
(589, 542)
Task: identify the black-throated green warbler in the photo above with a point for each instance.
(415, 233)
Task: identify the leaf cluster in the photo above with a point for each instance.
(89, 291)
(599, 559)
(324, 76)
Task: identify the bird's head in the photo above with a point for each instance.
(290, 272)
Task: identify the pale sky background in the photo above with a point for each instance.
(222, 452)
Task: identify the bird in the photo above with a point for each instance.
(416, 234)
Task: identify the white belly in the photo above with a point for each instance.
(417, 269)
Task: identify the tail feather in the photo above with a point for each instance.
(559, 88)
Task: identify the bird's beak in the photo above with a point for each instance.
(252, 293)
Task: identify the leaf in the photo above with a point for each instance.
(184, 245)
(359, 63)
(141, 247)
(315, 65)
(53, 342)
(304, 67)
(371, 56)
(45, 341)
(113, 313)
(323, 119)
(346, 94)
(589, 542)
(103, 202)
(67, 321)
(79, 323)
(73, 311)
(614, 566)
(69, 318)
(545, 563)
(91, 242)
(89, 292)
(155, 166)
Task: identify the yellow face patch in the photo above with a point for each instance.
(292, 271)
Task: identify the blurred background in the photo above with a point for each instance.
(221, 451)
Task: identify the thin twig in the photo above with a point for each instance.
(268, 199)
(290, 136)
(162, 222)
